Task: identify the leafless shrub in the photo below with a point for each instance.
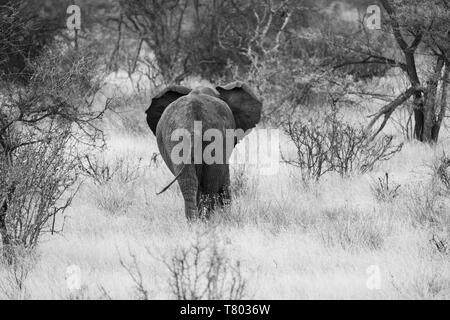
(203, 271)
(102, 171)
(134, 271)
(43, 125)
(43, 179)
(333, 145)
(312, 150)
(382, 191)
(114, 181)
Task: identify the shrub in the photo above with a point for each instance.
(332, 145)
(45, 125)
(312, 151)
(203, 271)
(114, 198)
(114, 181)
(134, 271)
(42, 176)
(198, 271)
(382, 191)
(102, 171)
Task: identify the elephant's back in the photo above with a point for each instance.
(212, 112)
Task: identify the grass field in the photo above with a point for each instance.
(293, 241)
(333, 239)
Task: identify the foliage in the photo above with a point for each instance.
(26, 27)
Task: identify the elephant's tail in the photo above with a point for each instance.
(173, 181)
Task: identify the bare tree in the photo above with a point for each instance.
(42, 121)
(418, 29)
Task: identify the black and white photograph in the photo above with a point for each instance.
(236, 151)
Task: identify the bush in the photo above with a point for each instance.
(114, 197)
(203, 271)
(25, 28)
(45, 125)
(383, 191)
(114, 181)
(41, 176)
(102, 171)
(198, 271)
(332, 145)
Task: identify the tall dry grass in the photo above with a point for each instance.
(292, 240)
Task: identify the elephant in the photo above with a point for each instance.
(204, 185)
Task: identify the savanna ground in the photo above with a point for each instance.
(357, 232)
(291, 240)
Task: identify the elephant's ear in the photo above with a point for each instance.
(245, 106)
(160, 103)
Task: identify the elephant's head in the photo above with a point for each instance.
(245, 106)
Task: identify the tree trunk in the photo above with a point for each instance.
(427, 121)
(418, 116)
(3, 229)
(443, 103)
(6, 240)
(6, 196)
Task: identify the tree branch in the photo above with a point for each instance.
(395, 25)
(387, 111)
(373, 59)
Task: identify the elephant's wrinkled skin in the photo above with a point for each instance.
(229, 107)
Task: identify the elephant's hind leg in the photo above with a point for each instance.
(224, 192)
(212, 201)
(224, 195)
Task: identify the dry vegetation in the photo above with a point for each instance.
(340, 204)
(290, 239)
